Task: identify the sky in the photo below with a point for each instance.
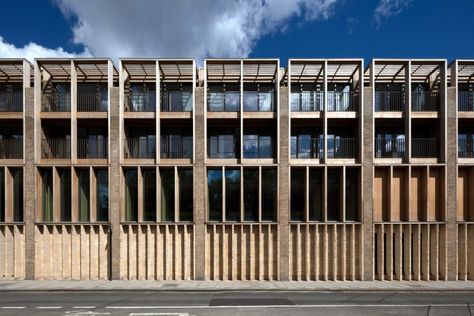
(238, 28)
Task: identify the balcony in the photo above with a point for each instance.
(92, 101)
(389, 101)
(140, 148)
(258, 101)
(176, 101)
(11, 148)
(424, 101)
(223, 101)
(258, 147)
(309, 148)
(144, 101)
(424, 147)
(342, 101)
(466, 100)
(11, 101)
(307, 101)
(176, 147)
(465, 148)
(56, 148)
(389, 148)
(88, 148)
(222, 146)
(341, 148)
(56, 102)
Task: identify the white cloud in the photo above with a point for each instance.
(388, 8)
(183, 28)
(32, 50)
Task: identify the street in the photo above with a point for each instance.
(136, 303)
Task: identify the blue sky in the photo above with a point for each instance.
(254, 28)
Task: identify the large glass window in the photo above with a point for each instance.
(167, 194)
(269, 194)
(251, 194)
(65, 194)
(214, 188)
(131, 195)
(352, 194)
(185, 194)
(315, 194)
(232, 194)
(102, 195)
(17, 174)
(334, 194)
(83, 178)
(47, 194)
(2, 194)
(298, 180)
(149, 195)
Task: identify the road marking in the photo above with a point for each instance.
(87, 307)
(12, 307)
(156, 314)
(48, 307)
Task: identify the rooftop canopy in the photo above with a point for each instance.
(11, 70)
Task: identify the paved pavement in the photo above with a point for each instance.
(136, 303)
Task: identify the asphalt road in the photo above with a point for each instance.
(140, 303)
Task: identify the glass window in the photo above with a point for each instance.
(315, 194)
(131, 195)
(250, 194)
(250, 146)
(251, 101)
(167, 194)
(334, 194)
(265, 149)
(2, 194)
(65, 194)
(352, 194)
(216, 101)
(298, 179)
(232, 101)
(17, 174)
(185, 194)
(102, 195)
(149, 195)
(83, 194)
(269, 195)
(47, 194)
(232, 194)
(266, 101)
(295, 101)
(214, 199)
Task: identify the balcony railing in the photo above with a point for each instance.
(11, 148)
(465, 148)
(258, 147)
(179, 147)
(311, 148)
(89, 101)
(258, 101)
(56, 102)
(223, 101)
(56, 148)
(389, 101)
(389, 148)
(88, 148)
(11, 101)
(222, 147)
(341, 148)
(424, 147)
(424, 101)
(466, 100)
(307, 101)
(141, 148)
(339, 101)
(141, 101)
(176, 101)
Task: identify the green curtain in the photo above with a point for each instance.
(47, 196)
(84, 191)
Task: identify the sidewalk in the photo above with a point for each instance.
(236, 286)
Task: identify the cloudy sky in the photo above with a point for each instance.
(238, 28)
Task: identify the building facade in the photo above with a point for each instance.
(326, 169)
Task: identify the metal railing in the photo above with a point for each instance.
(176, 147)
(176, 101)
(389, 148)
(56, 148)
(341, 148)
(389, 101)
(257, 147)
(307, 101)
(11, 148)
(424, 147)
(223, 101)
(258, 101)
(11, 101)
(424, 101)
(88, 148)
(466, 100)
(307, 148)
(90, 101)
(339, 101)
(56, 102)
(142, 148)
(140, 101)
(465, 148)
(222, 147)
